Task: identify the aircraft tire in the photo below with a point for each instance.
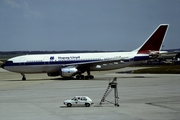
(91, 77)
(23, 78)
(86, 77)
(82, 77)
(78, 77)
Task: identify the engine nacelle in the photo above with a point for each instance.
(53, 74)
(68, 71)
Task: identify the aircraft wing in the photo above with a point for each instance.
(94, 62)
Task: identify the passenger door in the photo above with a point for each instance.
(82, 101)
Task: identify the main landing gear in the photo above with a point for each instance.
(87, 77)
(82, 77)
(23, 77)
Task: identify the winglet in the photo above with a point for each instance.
(154, 42)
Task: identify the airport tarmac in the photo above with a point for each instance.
(141, 97)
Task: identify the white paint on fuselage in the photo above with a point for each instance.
(47, 58)
(74, 56)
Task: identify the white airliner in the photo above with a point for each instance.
(70, 65)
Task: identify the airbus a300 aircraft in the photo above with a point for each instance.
(70, 65)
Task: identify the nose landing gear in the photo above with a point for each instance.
(23, 77)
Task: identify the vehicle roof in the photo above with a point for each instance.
(81, 96)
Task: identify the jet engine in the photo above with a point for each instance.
(68, 71)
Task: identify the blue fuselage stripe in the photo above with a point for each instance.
(140, 58)
(48, 63)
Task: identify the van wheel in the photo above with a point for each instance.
(69, 105)
(87, 105)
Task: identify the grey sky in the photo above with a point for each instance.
(85, 24)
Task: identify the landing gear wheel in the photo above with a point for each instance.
(89, 77)
(81, 77)
(23, 77)
(86, 77)
(78, 77)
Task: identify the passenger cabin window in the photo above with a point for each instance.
(8, 62)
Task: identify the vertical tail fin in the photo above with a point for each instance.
(154, 42)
